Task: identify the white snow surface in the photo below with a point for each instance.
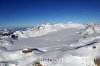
(45, 28)
(69, 44)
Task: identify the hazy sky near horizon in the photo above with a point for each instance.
(19, 13)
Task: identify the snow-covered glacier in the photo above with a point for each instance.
(68, 44)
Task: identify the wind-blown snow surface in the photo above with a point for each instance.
(68, 44)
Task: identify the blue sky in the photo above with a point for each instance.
(20, 13)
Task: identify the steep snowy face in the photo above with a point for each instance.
(46, 28)
(91, 29)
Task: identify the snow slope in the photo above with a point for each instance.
(53, 45)
(45, 28)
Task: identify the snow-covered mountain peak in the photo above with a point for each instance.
(46, 28)
(68, 44)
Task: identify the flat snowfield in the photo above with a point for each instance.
(68, 44)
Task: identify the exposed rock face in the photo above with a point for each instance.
(97, 61)
(27, 50)
(37, 64)
(14, 36)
